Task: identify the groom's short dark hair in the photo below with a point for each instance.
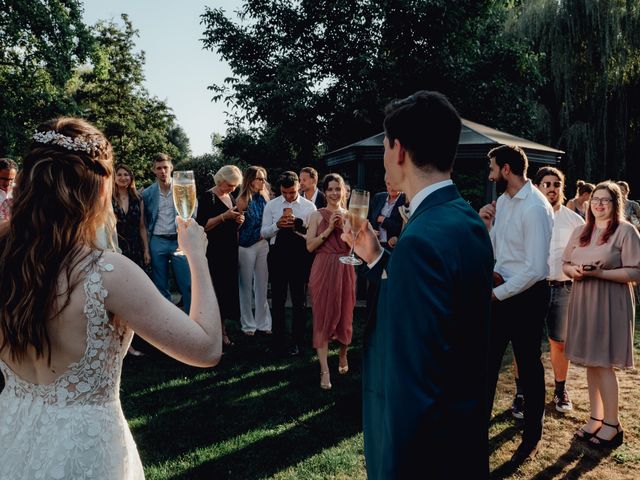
(428, 127)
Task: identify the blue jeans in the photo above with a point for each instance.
(161, 251)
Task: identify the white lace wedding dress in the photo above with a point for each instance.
(73, 428)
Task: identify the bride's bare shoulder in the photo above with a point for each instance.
(124, 278)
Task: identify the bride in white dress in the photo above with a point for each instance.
(68, 311)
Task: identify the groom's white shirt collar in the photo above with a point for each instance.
(425, 192)
(413, 205)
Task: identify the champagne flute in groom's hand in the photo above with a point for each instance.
(358, 210)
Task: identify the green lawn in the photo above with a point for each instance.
(250, 417)
(253, 417)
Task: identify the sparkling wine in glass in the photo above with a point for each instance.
(184, 195)
(358, 210)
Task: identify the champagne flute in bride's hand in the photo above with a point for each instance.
(358, 210)
(184, 196)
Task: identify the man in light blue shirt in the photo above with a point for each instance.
(160, 220)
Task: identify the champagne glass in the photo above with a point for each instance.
(358, 210)
(184, 196)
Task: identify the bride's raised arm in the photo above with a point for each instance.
(195, 339)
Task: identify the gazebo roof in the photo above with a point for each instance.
(475, 141)
(476, 133)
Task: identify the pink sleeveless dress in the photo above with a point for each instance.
(333, 289)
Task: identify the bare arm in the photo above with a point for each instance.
(315, 238)
(232, 214)
(195, 339)
(619, 275)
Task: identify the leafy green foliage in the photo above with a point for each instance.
(314, 76)
(52, 64)
(203, 166)
(110, 94)
(40, 43)
(589, 52)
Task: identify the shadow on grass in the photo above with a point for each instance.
(272, 454)
(585, 459)
(505, 435)
(251, 417)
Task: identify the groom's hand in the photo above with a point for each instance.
(367, 245)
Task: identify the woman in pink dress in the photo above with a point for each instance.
(332, 283)
(603, 258)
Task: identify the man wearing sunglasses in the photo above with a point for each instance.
(550, 182)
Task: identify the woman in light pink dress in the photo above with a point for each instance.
(603, 258)
(332, 283)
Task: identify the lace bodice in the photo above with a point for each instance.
(74, 426)
(95, 378)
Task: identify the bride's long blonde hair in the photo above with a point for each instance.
(62, 197)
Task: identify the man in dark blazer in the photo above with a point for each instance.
(309, 187)
(425, 360)
(384, 215)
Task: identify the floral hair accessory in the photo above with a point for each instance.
(77, 143)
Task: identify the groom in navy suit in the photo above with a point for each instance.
(425, 360)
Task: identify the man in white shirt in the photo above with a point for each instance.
(520, 226)
(284, 224)
(309, 187)
(550, 181)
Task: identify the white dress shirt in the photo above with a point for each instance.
(302, 208)
(313, 197)
(521, 237)
(565, 221)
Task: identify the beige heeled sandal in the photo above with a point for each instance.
(343, 369)
(323, 385)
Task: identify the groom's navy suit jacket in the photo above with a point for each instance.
(425, 360)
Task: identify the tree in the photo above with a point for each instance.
(178, 138)
(41, 41)
(110, 93)
(315, 76)
(590, 55)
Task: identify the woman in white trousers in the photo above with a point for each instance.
(252, 254)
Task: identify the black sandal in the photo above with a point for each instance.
(587, 435)
(615, 442)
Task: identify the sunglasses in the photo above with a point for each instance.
(556, 184)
